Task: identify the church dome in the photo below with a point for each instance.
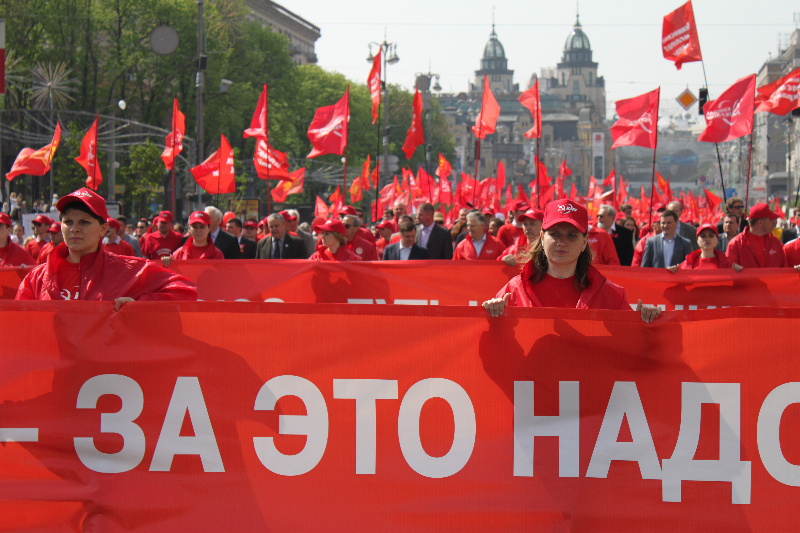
(494, 49)
(577, 40)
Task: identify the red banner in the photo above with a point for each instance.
(195, 417)
(457, 283)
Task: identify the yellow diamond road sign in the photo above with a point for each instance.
(686, 99)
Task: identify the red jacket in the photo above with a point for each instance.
(106, 277)
(599, 294)
(184, 252)
(792, 251)
(342, 254)
(16, 256)
(741, 250)
(364, 249)
(520, 244)
(154, 246)
(601, 243)
(491, 250)
(693, 259)
(120, 248)
(508, 233)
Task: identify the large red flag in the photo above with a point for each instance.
(328, 130)
(335, 195)
(174, 141)
(679, 41)
(259, 125)
(563, 172)
(445, 191)
(270, 163)
(501, 178)
(374, 84)
(365, 176)
(530, 99)
(215, 174)
(88, 157)
(638, 121)
(320, 208)
(444, 169)
(486, 122)
(35, 162)
(731, 115)
(376, 172)
(712, 201)
(294, 185)
(780, 96)
(415, 136)
(609, 179)
(355, 190)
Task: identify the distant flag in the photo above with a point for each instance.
(486, 123)
(374, 84)
(638, 121)
(259, 125)
(328, 130)
(294, 185)
(414, 136)
(731, 115)
(174, 141)
(781, 96)
(679, 40)
(215, 175)
(88, 158)
(35, 162)
(269, 162)
(530, 99)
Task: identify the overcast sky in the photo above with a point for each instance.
(448, 37)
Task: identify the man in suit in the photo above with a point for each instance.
(431, 236)
(224, 242)
(406, 249)
(667, 244)
(246, 246)
(280, 244)
(687, 231)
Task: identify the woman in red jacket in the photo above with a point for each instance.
(11, 254)
(559, 272)
(198, 245)
(331, 245)
(707, 256)
(79, 269)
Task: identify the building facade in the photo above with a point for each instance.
(302, 34)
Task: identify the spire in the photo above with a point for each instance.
(494, 33)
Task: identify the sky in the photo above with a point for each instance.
(447, 37)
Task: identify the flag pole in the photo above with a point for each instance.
(653, 174)
(477, 158)
(538, 185)
(346, 116)
(749, 158)
(716, 145)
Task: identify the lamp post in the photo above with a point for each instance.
(389, 54)
(112, 173)
(423, 83)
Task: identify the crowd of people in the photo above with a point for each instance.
(616, 238)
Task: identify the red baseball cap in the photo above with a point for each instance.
(488, 211)
(251, 224)
(88, 197)
(42, 219)
(566, 211)
(55, 227)
(287, 216)
(114, 223)
(166, 215)
(712, 227)
(348, 210)
(385, 225)
(332, 225)
(761, 211)
(5, 219)
(201, 217)
(532, 214)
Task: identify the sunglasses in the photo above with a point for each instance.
(348, 226)
(737, 206)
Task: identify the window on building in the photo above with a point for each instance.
(563, 78)
(591, 81)
(576, 87)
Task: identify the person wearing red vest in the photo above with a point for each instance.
(11, 254)
(199, 244)
(707, 256)
(756, 247)
(479, 243)
(559, 272)
(113, 241)
(80, 269)
(601, 243)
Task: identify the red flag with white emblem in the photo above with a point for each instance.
(88, 157)
(638, 121)
(731, 115)
(679, 41)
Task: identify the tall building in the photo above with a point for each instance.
(573, 116)
(301, 33)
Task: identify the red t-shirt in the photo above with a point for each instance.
(68, 278)
(196, 252)
(707, 264)
(758, 243)
(553, 292)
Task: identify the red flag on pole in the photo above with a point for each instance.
(731, 115)
(712, 201)
(375, 173)
(415, 136)
(269, 162)
(320, 208)
(609, 179)
(328, 130)
(501, 177)
(174, 141)
(355, 190)
(563, 172)
(530, 99)
(215, 174)
(780, 96)
(638, 121)
(445, 191)
(444, 169)
(679, 41)
(374, 84)
(259, 125)
(486, 122)
(88, 157)
(35, 162)
(294, 185)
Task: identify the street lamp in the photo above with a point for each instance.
(423, 83)
(389, 51)
(112, 174)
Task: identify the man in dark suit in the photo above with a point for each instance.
(406, 249)
(687, 231)
(223, 241)
(431, 236)
(280, 244)
(246, 246)
(658, 246)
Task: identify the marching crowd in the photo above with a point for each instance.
(516, 237)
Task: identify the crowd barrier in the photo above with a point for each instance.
(459, 283)
(331, 417)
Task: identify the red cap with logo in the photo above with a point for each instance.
(113, 223)
(251, 224)
(5, 219)
(88, 197)
(201, 217)
(702, 227)
(761, 211)
(384, 225)
(55, 227)
(42, 219)
(332, 225)
(287, 216)
(566, 211)
(348, 210)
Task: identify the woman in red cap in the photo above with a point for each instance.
(707, 256)
(80, 269)
(331, 245)
(199, 245)
(559, 272)
(11, 254)
(531, 221)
